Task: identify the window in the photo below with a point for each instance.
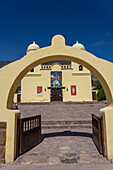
(32, 70)
(80, 68)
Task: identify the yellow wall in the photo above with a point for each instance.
(83, 88)
(29, 88)
(15, 98)
(72, 76)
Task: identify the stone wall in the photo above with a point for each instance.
(2, 141)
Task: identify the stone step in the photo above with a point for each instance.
(66, 123)
(66, 126)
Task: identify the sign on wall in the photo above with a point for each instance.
(39, 90)
(73, 90)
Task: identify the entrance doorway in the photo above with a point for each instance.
(56, 94)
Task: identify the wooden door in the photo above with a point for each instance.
(56, 94)
(94, 95)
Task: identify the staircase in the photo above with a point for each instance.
(66, 124)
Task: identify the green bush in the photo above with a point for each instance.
(101, 95)
(98, 86)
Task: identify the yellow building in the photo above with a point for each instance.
(56, 81)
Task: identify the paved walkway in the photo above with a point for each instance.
(64, 149)
(62, 111)
(61, 167)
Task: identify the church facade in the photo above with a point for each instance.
(56, 81)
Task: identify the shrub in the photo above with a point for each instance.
(101, 95)
(98, 86)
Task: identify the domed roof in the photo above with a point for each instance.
(79, 46)
(33, 46)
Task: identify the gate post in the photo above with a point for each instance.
(107, 114)
(10, 116)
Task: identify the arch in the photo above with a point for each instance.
(11, 75)
(90, 66)
(56, 66)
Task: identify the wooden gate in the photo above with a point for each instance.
(98, 133)
(29, 133)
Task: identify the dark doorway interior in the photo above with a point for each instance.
(94, 96)
(56, 94)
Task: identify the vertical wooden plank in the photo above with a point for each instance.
(99, 134)
(24, 125)
(21, 136)
(18, 137)
(40, 124)
(102, 134)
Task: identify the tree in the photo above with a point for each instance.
(100, 94)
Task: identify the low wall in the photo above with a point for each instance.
(2, 141)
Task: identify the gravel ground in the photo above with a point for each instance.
(62, 111)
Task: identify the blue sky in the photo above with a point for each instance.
(24, 21)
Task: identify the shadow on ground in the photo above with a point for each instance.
(66, 133)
